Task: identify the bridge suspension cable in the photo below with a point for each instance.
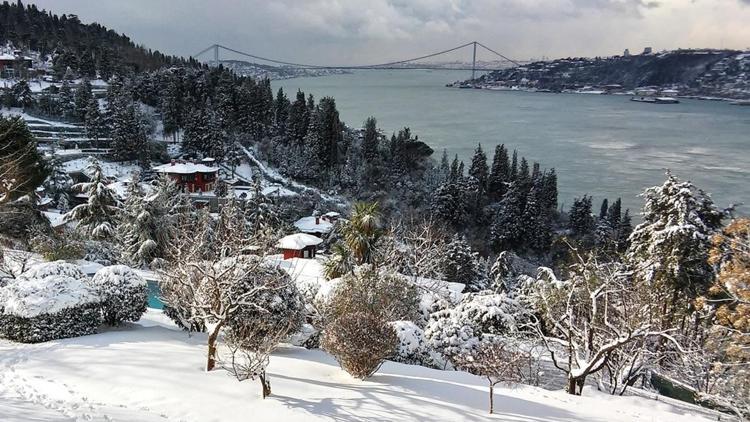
(370, 66)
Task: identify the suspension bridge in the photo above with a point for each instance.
(411, 63)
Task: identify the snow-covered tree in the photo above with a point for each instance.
(58, 184)
(669, 249)
(587, 317)
(478, 317)
(123, 294)
(261, 320)
(97, 216)
(460, 265)
(507, 227)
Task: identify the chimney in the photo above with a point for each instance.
(317, 220)
(172, 162)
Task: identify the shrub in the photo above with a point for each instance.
(389, 296)
(360, 342)
(412, 348)
(49, 301)
(123, 293)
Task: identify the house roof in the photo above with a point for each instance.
(185, 168)
(308, 225)
(298, 241)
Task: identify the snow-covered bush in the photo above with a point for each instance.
(49, 301)
(460, 329)
(124, 294)
(360, 342)
(412, 348)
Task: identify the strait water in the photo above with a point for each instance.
(606, 146)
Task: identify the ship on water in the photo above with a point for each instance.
(652, 96)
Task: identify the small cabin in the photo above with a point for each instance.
(299, 245)
(191, 177)
(314, 225)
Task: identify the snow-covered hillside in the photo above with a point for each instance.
(151, 371)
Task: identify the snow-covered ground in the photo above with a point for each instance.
(151, 371)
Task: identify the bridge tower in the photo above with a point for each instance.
(474, 62)
(216, 55)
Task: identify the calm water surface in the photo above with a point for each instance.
(606, 146)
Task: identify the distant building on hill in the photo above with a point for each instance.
(190, 176)
(626, 53)
(648, 50)
(11, 64)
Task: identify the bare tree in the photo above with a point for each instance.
(587, 318)
(498, 362)
(211, 275)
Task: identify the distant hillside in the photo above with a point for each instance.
(85, 48)
(256, 70)
(719, 73)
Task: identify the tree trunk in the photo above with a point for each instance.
(575, 385)
(211, 362)
(265, 384)
(492, 399)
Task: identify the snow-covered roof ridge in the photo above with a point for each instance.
(313, 225)
(185, 168)
(47, 288)
(298, 241)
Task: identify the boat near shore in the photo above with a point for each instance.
(741, 103)
(655, 100)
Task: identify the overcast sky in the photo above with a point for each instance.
(368, 31)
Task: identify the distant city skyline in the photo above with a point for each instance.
(357, 31)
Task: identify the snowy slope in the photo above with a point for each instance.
(153, 372)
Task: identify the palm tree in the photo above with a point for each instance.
(363, 230)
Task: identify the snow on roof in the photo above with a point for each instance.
(55, 218)
(47, 288)
(308, 225)
(7, 57)
(332, 214)
(298, 241)
(185, 168)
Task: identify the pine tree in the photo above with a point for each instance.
(330, 128)
(479, 170)
(459, 264)
(171, 107)
(447, 203)
(87, 64)
(550, 191)
(507, 228)
(625, 229)
(94, 121)
(536, 219)
(58, 183)
(454, 174)
(299, 118)
(499, 174)
(581, 221)
(130, 135)
(281, 112)
(21, 93)
(603, 209)
(445, 167)
(22, 169)
(514, 167)
(81, 100)
(97, 216)
(66, 100)
(669, 249)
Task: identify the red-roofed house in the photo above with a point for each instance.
(192, 177)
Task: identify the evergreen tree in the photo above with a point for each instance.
(514, 167)
(603, 209)
(550, 191)
(445, 167)
(94, 125)
(581, 221)
(81, 100)
(460, 265)
(21, 94)
(536, 219)
(499, 174)
(66, 100)
(479, 170)
(281, 112)
(58, 184)
(507, 227)
(22, 169)
(330, 128)
(669, 249)
(370, 150)
(299, 118)
(171, 107)
(87, 64)
(447, 203)
(625, 229)
(97, 216)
